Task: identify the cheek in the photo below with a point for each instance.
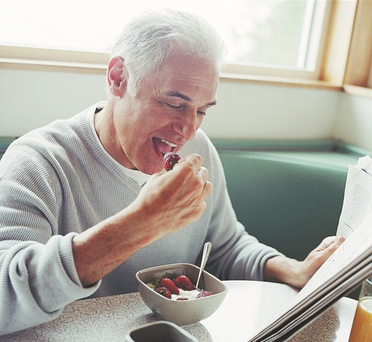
(155, 118)
(128, 118)
(199, 121)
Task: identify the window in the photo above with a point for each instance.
(276, 37)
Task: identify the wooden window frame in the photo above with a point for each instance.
(357, 78)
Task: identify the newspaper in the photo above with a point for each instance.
(358, 196)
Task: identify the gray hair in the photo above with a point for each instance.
(150, 37)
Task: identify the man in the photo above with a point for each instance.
(84, 203)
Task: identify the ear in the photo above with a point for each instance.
(117, 76)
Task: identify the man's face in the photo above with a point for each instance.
(167, 111)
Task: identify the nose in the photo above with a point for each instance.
(187, 125)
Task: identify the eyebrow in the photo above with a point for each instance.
(186, 98)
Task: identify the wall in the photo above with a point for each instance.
(254, 111)
(31, 98)
(354, 121)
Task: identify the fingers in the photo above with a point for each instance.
(207, 189)
(332, 246)
(191, 166)
(203, 175)
(192, 177)
(195, 161)
(331, 243)
(338, 240)
(319, 255)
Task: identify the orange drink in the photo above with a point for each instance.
(361, 330)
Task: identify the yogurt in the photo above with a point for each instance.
(186, 294)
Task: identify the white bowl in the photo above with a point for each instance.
(181, 312)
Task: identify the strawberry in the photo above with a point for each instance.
(170, 159)
(164, 292)
(203, 293)
(168, 283)
(182, 298)
(183, 282)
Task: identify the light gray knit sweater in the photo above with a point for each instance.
(58, 181)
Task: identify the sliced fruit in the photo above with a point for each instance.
(182, 281)
(164, 292)
(169, 284)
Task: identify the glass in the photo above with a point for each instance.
(361, 330)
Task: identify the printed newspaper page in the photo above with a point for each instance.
(358, 197)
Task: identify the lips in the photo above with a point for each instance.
(164, 146)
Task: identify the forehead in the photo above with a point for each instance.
(196, 79)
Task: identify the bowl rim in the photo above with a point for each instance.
(174, 265)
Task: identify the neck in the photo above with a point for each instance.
(105, 128)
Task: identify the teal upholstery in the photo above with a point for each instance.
(282, 200)
(4, 143)
(289, 198)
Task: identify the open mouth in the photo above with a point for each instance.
(164, 146)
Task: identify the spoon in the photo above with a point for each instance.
(206, 251)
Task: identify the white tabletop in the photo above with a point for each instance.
(244, 311)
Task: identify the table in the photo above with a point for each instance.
(244, 310)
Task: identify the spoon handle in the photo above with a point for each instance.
(206, 251)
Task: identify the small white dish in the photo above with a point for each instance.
(159, 332)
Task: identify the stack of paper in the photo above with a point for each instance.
(358, 196)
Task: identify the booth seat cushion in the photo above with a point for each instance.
(4, 143)
(290, 200)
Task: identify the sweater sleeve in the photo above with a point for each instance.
(37, 273)
(236, 254)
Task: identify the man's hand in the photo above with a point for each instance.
(297, 273)
(167, 203)
(172, 200)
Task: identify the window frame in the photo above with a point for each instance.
(15, 54)
(358, 73)
(344, 37)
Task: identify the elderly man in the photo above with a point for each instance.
(84, 203)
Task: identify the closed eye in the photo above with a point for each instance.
(173, 106)
(199, 112)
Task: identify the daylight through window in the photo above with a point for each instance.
(277, 33)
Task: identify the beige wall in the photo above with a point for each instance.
(255, 111)
(354, 121)
(30, 99)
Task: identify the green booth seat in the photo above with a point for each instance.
(287, 194)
